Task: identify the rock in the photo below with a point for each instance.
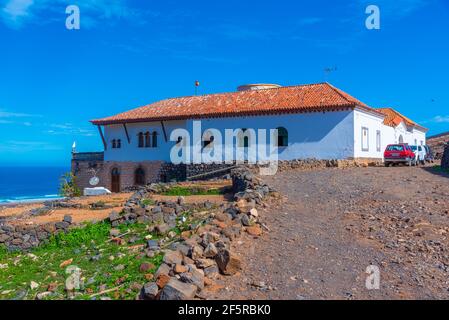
(194, 276)
(253, 212)
(181, 201)
(114, 233)
(68, 219)
(445, 160)
(254, 231)
(66, 263)
(228, 263)
(245, 220)
(210, 251)
(162, 280)
(173, 257)
(120, 267)
(62, 225)
(232, 232)
(211, 271)
(162, 229)
(149, 291)
(205, 263)
(34, 285)
(145, 267)
(180, 268)
(163, 269)
(114, 216)
(196, 252)
(43, 295)
(153, 245)
(177, 290)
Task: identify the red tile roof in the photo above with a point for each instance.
(294, 99)
(394, 118)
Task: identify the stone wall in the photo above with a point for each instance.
(445, 160)
(18, 238)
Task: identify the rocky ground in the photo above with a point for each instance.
(334, 223)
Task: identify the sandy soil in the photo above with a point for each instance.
(335, 223)
(197, 199)
(19, 214)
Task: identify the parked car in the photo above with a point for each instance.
(399, 153)
(420, 154)
(430, 157)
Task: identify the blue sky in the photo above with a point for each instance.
(131, 53)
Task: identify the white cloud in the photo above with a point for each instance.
(16, 10)
(440, 119)
(16, 13)
(27, 146)
(7, 114)
(69, 129)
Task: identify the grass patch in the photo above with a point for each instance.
(189, 191)
(148, 202)
(104, 264)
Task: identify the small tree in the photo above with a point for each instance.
(68, 187)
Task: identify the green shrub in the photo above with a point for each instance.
(68, 187)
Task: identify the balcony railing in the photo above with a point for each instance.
(88, 156)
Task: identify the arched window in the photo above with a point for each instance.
(243, 139)
(154, 145)
(139, 177)
(141, 141)
(282, 137)
(119, 144)
(401, 139)
(147, 140)
(114, 144)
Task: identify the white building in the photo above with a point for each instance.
(315, 121)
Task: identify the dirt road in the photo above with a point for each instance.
(335, 223)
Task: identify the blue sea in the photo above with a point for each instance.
(28, 184)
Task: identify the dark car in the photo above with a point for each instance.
(399, 153)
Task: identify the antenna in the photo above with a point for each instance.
(328, 71)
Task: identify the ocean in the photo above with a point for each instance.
(28, 184)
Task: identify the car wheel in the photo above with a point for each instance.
(387, 164)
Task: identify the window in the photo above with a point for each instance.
(243, 139)
(154, 144)
(147, 140)
(119, 144)
(282, 137)
(365, 139)
(401, 139)
(416, 142)
(378, 141)
(114, 144)
(141, 140)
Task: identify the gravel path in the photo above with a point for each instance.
(335, 223)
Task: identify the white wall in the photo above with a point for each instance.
(312, 135)
(373, 123)
(131, 151)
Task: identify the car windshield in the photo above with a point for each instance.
(413, 148)
(395, 148)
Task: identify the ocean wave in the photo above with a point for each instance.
(25, 199)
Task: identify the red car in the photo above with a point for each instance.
(399, 153)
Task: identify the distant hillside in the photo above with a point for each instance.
(437, 143)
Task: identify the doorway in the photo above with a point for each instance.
(139, 177)
(115, 180)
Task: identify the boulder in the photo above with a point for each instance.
(177, 290)
(162, 229)
(149, 291)
(114, 216)
(173, 257)
(210, 251)
(228, 262)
